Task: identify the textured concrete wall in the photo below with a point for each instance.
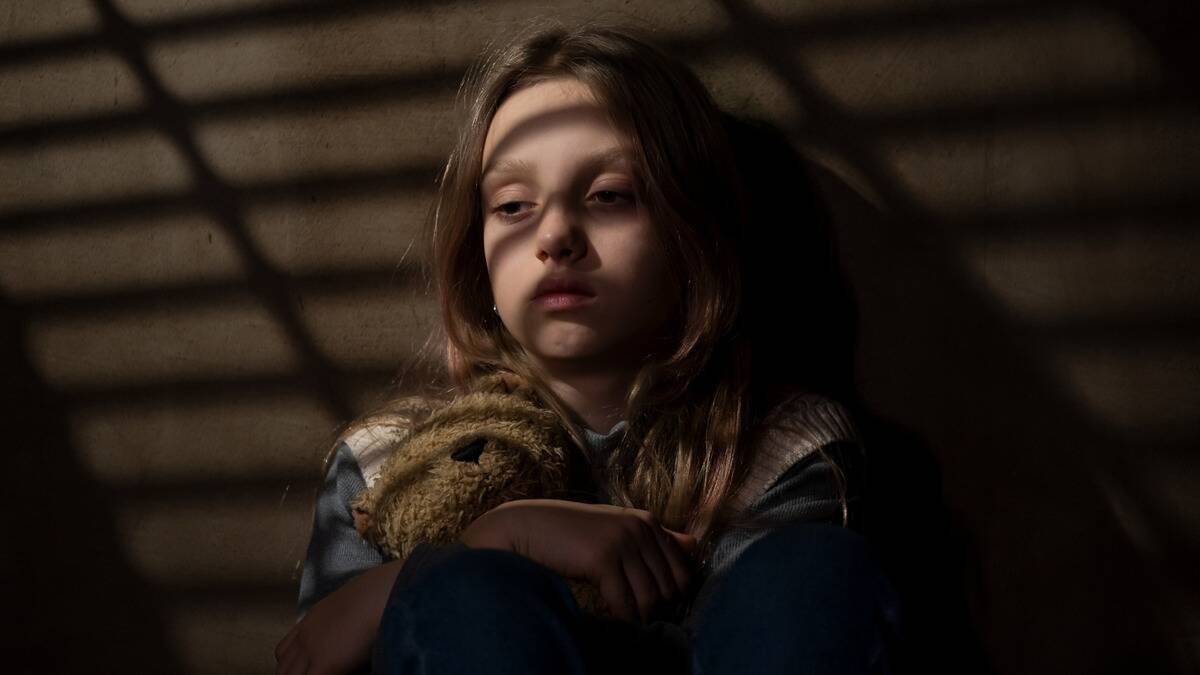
(205, 209)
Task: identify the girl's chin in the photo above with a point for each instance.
(563, 355)
(564, 342)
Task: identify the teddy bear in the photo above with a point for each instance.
(493, 445)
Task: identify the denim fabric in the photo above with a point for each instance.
(805, 598)
(481, 611)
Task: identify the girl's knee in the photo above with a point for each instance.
(804, 597)
(809, 550)
(475, 577)
(802, 568)
(475, 606)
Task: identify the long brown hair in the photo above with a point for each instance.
(693, 408)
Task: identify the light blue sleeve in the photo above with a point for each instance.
(336, 551)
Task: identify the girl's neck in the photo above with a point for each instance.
(598, 398)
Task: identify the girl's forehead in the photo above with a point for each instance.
(555, 92)
(562, 108)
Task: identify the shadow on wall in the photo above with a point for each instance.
(74, 600)
(962, 403)
(801, 310)
(1028, 536)
(71, 567)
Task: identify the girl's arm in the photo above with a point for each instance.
(639, 567)
(345, 583)
(335, 635)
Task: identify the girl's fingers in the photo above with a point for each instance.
(617, 593)
(655, 552)
(286, 642)
(687, 543)
(679, 558)
(641, 579)
(679, 549)
(292, 663)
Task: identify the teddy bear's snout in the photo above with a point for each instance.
(470, 452)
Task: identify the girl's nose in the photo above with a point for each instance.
(559, 237)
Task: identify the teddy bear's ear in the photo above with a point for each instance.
(470, 452)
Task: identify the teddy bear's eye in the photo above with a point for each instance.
(470, 452)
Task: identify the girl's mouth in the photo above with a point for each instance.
(563, 301)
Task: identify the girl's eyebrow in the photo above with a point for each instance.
(595, 160)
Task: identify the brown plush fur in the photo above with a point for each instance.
(493, 445)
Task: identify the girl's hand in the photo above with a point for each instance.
(336, 634)
(638, 564)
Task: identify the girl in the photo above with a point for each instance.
(589, 236)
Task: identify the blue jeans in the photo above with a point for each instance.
(805, 598)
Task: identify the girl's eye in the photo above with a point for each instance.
(512, 210)
(508, 210)
(612, 197)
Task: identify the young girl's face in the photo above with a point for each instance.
(558, 196)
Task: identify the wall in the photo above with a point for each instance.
(206, 211)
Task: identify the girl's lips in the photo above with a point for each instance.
(563, 283)
(563, 301)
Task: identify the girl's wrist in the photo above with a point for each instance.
(487, 531)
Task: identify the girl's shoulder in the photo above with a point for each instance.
(809, 419)
(371, 438)
(370, 445)
(794, 428)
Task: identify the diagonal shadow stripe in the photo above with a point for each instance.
(113, 303)
(248, 388)
(324, 95)
(836, 26)
(201, 23)
(91, 213)
(224, 205)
